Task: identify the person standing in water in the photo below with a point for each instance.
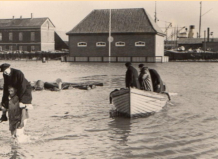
(17, 116)
(16, 79)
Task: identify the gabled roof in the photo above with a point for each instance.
(135, 20)
(23, 23)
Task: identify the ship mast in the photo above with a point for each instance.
(200, 22)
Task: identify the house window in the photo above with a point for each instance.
(0, 36)
(32, 38)
(20, 36)
(120, 44)
(140, 43)
(32, 48)
(10, 48)
(20, 48)
(82, 44)
(24, 48)
(10, 36)
(100, 44)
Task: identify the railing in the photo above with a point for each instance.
(192, 56)
(116, 59)
(32, 56)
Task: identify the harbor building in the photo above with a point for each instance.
(117, 35)
(27, 34)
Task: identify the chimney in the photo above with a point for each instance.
(208, 34)
(191, 31)
(21, 17)
(31, 15)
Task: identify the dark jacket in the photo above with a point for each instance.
(156, 80)
(17, 80)
(132, 78)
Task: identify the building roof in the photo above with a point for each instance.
(62, 35)
(135, 20)
(23, 22)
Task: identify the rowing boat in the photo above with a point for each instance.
(136, 103)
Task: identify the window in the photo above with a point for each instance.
(32, 38)
(32, 48)
(140, 43)
(0, 36)
(0, 48)
(20, 36)
(100, 44)
(10, 36)
(82, 44)
(10, 48)
(24, 48)
(20, 48)
(120, 44)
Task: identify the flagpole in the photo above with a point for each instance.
(109, 39)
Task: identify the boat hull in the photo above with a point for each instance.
(135, 103)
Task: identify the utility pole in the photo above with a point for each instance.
(200, 21)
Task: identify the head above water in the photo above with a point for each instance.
(4, 66)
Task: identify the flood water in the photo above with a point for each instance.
(76, 124)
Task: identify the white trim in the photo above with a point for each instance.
(140, 43)
(120, 44)
(79, 44)
(98, 44)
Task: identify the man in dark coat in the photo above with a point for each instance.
(131, 76)
(15, 78)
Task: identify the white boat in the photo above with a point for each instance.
(135, 103)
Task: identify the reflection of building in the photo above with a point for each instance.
(134, 34)
(27, 34)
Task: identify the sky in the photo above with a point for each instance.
(67, 14)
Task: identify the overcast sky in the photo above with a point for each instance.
(66, 14)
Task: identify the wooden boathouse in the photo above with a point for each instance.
(134, 37)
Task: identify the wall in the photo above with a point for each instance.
(47, 36)
(26, 42)
(128, 50)
(159, 48)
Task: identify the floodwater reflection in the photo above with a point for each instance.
(120, 128)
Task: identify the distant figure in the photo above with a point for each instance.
(145, 78)
(16, 79)
(156, 80)
(131, 76)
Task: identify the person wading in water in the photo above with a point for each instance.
(15, 78)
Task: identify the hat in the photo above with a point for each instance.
(4, 66)
(128, 64)
(141, 65)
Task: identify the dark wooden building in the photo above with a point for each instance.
(135, 37)
(60, 43)
(26, 34)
